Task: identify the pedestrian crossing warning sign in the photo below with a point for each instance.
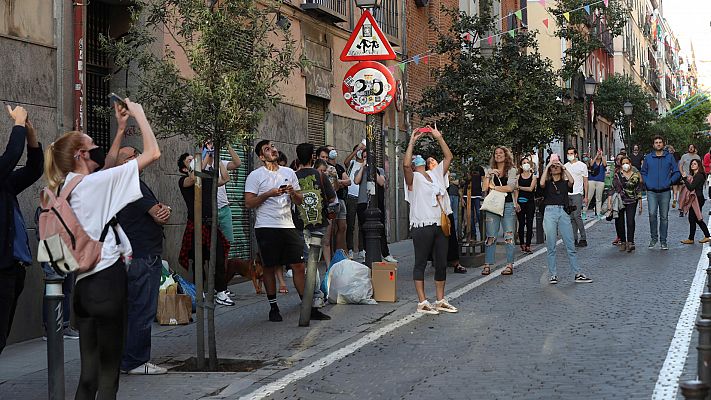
(367, 42)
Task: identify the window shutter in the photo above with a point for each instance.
(316, 125)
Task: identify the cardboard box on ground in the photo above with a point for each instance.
(384, 278)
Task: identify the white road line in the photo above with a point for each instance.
(325, 361)
(668, 379)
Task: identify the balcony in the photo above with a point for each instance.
(333, 11)
(654, 79)
(388, 18)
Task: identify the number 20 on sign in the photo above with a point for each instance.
(368, 87)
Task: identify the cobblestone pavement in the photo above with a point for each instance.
(514, 337)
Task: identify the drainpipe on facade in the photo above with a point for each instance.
(79, 67)
(407, 121)
(59, 42)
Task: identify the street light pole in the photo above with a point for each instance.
(372, 226)
(628, 108)
(590, 86)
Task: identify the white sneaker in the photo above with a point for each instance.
(443, 305)
(426, 308)
(289, 274)
(361, 255)
(224, 299)
(318, 302)
(390, 259)
(148, 369)
(350, 254)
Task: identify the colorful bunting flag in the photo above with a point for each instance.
(545, 22)
(543, 3)
(490, 39)
(425, 59)
(402, 67)
(607, 2)
(519, 15)
(587, 9)
(391, 69)
(512, 33)
(416, 59)
(567, 16)
(467, 37)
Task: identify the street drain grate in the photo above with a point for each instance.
(223, 365)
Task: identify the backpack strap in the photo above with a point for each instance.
(113, 222)
(69, 186)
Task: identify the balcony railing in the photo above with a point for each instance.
(331, 10)
(388, 17)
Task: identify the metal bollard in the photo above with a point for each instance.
(694, 390)
(704, 350)
(706, 305)
(310, 284)
(53, 297)
(708, 273)
(539, 226)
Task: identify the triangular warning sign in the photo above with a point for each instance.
(367, 42)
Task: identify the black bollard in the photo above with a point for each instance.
(704, 350)
(706, 305)
(539, 226)
(694, 390)
(53, 297)
(310, 285)
(708, 273)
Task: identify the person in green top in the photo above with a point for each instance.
(627, 182)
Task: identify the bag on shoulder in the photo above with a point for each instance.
(444, 220)
(494, 202)
(63, 242)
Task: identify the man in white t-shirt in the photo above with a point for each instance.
(579, 195)
(224, 212)
(270, 190)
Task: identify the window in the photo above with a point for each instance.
(316, 124)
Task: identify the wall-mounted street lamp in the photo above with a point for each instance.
(368, 3)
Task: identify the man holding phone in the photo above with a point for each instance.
(271, 190)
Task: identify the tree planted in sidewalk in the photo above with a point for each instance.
(206, 72)
(611, 96)
(483, 96)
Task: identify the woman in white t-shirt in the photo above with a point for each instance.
(100, 294)
(425, 195)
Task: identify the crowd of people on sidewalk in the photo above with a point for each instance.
(115, 295)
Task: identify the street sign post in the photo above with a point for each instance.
(369, 87)
(367, 42)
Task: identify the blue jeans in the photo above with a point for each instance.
(143, 283)
(454, 201)
(658, 203)
(493, 223)
(555, 220)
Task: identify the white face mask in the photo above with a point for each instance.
(526, 167)
(626, 167)
(571, 158)
(359, 154)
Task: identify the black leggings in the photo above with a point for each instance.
(100, 307)
(693, 221)
(429, 241)
(525, 221)
(625, 218)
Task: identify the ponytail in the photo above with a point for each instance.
(59, 158)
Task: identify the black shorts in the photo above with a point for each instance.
(280, 246)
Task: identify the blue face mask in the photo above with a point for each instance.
(419, 161)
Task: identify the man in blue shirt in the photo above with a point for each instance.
(15, 252)
(659, 171)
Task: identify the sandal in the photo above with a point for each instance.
(486, 270)
(459, 269)
(508, 270)
(283, 290)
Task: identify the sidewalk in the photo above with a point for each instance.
(243, 333)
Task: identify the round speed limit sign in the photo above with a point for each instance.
(368, 87)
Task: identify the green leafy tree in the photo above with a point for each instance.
(686, 125)
(233, 56)
(586, 32)
(612, 94)
(507, 95)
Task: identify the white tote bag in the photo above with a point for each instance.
(494, 201)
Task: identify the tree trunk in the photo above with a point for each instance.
(198, 265)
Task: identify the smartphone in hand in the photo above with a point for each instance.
(114, 98)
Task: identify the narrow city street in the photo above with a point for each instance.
(514, 337)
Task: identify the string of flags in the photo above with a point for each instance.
(424, 57)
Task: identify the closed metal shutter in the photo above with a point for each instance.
(379, 140)
(97, 70)
(316, 125)
(240, 214)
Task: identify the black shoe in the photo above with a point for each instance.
(317, 315)
(275, 316)
(582, 243)
(458, 269)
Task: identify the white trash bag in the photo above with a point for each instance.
(348, 282)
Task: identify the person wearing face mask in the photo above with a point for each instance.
(627, 182)
(100, 294)
(579, 171)
(353, 162)
(524, 199)
(342, 183)
(596, 172)
(692, 200)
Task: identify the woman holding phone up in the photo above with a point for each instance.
(556, 182)
(100, 293)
